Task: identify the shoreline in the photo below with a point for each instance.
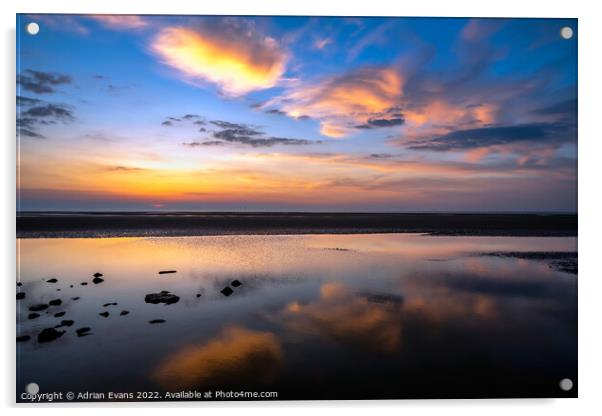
(105, 225)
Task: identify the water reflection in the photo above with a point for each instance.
(316, 316)
(237, 356)
(348, 318)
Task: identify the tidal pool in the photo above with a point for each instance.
(315, 316)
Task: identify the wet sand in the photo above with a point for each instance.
(137, 224)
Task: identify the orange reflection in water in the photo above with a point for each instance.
(237, 356)
(349, 318)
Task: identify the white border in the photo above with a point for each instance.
(590, 152)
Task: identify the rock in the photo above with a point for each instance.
(59, 314)
(235, 283)
(124, 313)
(156, 321)
(97, 280)
(97, 274)
(23, 338)
(82, 332)
(65, 322)
(19, 284)
(20, 295)
(33, 315)
(227, 291)
(53, 280)
(105, 314)
(58, 290)
(110, 304)
(198, 295)
(49, 334)
(75, 298)
(84, 283)
(70, 285)
(167, 271)
(55, 302)
(163, 297)
(37, 308)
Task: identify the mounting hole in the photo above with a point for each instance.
(566, 384)
(32, 28)
(32, 388)
(566, 32)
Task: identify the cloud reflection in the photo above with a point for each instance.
(348, 318)
(237, 356)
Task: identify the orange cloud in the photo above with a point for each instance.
(342, 102)
(236, 58)
(237, 356)
(120, 21)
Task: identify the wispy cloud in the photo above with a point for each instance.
(41, 82)
(120, 21)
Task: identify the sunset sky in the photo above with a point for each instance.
(295, 113)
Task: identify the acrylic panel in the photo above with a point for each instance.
(295, 208)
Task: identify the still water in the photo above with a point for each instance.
(316, 316)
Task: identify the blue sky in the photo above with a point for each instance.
(296, 113)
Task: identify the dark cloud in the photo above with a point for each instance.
(124, 169)
(42, 82)
(27, 101)
(381, 122)
(276, 111)
(170, 121)
(563, 107)
(251, 136)
(34, 113)
(227, 125)
(29, 133)
(494, 136)
(205, 143)
(53, 111)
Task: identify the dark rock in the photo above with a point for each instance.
(70, 285)
(23, 338)
(49, 334)
(59, 314)
(20, 295)
(84, 283)
(156, 321)
(75, 298)
(65, 322)
(124, 313)
(110, 304)
(33, 315)
(167, 271)
(58, 290)
(105, 314)
(97, 274)
(163, 297)
(97, 280)
(53, 280)
(235, 283)
(19, 284)
(198, 295)
(37, 308)
(55, 302)
(82, 332)
(227, 291)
